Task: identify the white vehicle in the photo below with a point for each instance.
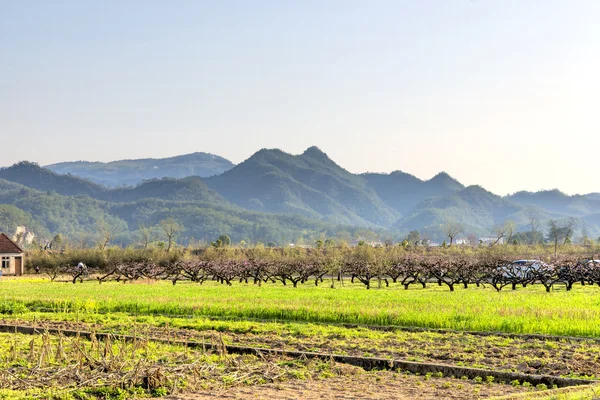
(522, 269)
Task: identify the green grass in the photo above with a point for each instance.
(534, 356)
(570, 393)
(530, 310)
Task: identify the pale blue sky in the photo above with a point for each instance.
(502, 93)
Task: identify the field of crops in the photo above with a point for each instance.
(526, 310)
(428, 326)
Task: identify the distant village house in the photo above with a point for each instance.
(12, 261)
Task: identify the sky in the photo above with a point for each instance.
(500, 93)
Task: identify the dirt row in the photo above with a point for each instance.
(366, 363)
(529, 356)
(372, 386)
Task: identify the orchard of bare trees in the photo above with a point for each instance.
(329, 265)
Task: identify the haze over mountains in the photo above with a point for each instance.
(273, 196)
(132, 172)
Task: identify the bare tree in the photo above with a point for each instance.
(145, 235)
(585, 240)
(500, 231)
(171, 229)
(554, 233)
(510, 230)
(561, 231)
(569, 229)
(452, 229)
(534, 221)
(106, 231)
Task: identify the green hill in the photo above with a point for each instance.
(186, 189)
(50, 213)
(473, 207)
(132, 172)
(403, 191)
(556, 201)
(276, 196)
(33, 176)
(309, 184)
(81, 219)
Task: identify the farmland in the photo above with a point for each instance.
(388, 322)
(421, 325)
(529, 310)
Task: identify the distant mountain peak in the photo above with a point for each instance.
(541, 193)
(33, 175)
(443, 178)
(441, 175)
(24, 165)
(314, 151)
(398, 173)
(133, 171)
(555, 192)
(477, 190)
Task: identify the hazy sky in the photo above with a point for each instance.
(502, 93)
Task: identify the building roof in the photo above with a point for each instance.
(7, 245)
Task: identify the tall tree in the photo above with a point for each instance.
(414, 238)
(171, 229)
(534, 221)
(451, 229)
(569, 229)
(145, 235)
(225, 240)
(561, 231)
(106, 231)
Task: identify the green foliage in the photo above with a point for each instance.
(225, 240)
(294, 199)
(11, 217)
(51, 213)
(309, 184)
(403, 191)
(76, 218)
(473, 208)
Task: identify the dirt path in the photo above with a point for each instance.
(375, 386)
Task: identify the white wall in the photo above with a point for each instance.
(11, 270)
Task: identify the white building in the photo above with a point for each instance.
(11, 257)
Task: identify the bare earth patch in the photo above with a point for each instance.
(579, 358)
(376, 386)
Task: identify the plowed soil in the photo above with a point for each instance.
(376, 386)
(579, 358)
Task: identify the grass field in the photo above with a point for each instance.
(529, 310)
(310, 318)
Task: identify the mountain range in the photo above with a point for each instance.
(132, 172)
(271, 196)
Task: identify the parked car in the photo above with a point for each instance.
(523, 269)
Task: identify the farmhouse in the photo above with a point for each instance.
(11, 257)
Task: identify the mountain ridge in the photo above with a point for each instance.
(130, 172)
(272, 184)
(275, 181)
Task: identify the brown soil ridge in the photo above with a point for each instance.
(366, 363)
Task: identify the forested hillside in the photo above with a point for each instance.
(84, 220)
(278, 197)
(403, 191)
(474, 208)
(132, 172)
(309, 184)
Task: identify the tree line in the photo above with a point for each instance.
(327, 264)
